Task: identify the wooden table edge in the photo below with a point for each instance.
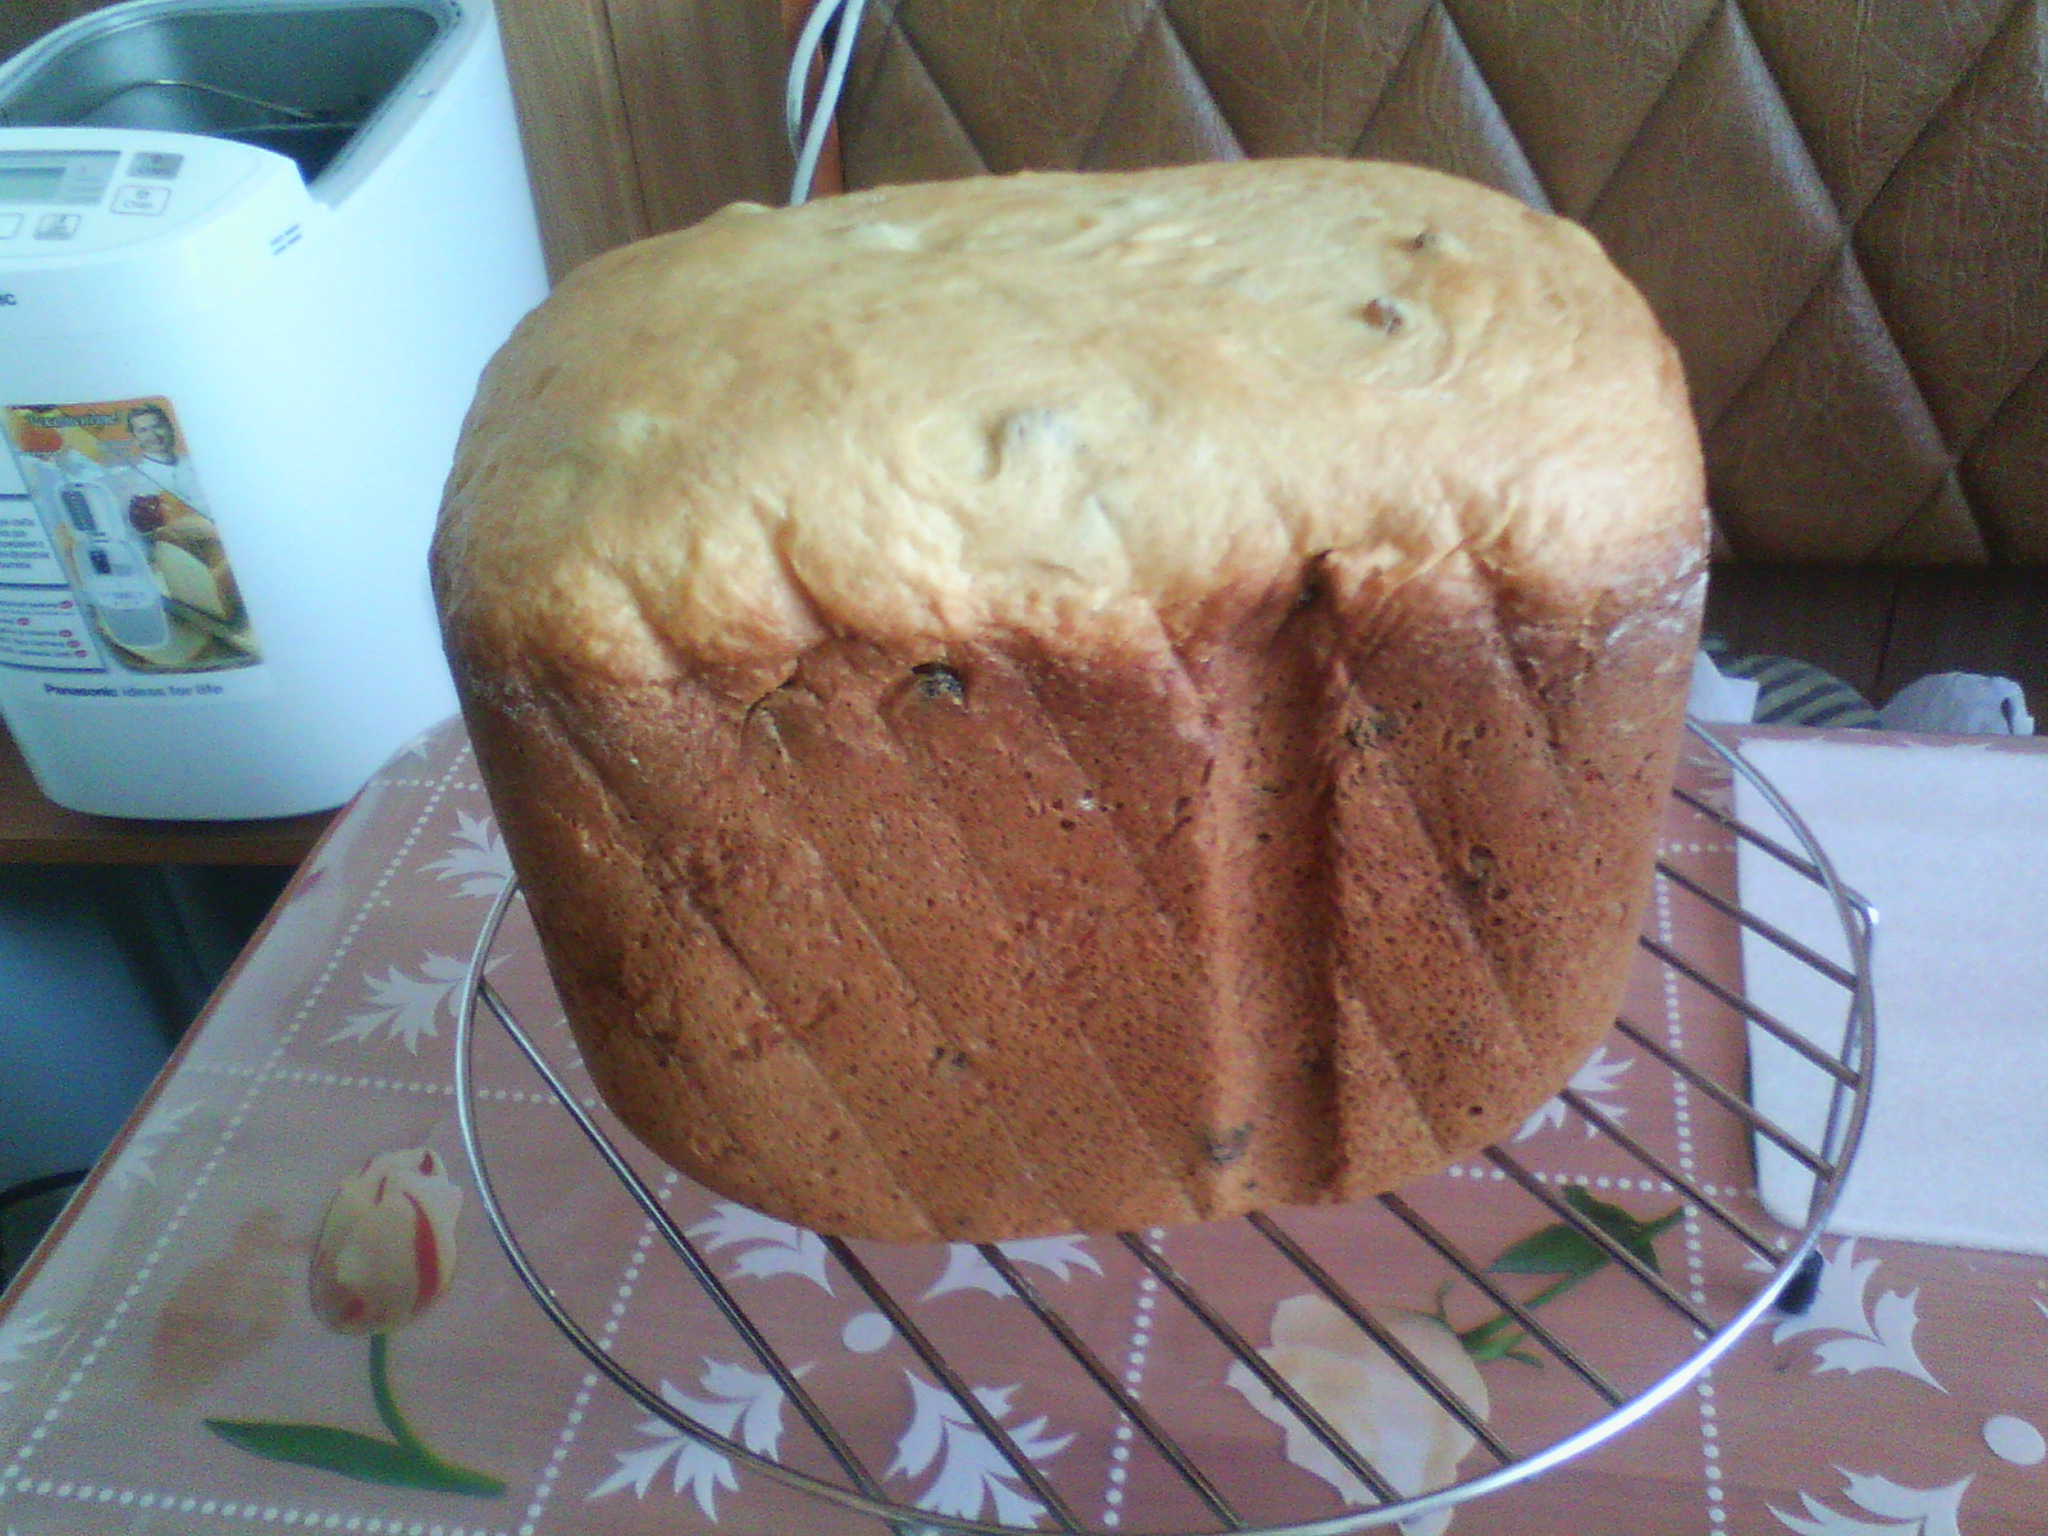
(36, 830)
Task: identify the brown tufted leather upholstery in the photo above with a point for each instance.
(1839, 208)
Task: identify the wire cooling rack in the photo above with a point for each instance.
(1777, 1258)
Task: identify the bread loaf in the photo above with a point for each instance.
(1057, 703)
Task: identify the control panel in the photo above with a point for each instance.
(59, 199)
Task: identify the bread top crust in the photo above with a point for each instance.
(1075, 408)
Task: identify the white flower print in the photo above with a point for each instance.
(1905, 1511)
(741, 1400)
(477, 858)
(137, 1163)
(1597, 1077)
(771, 1247)
(967, 1270)
(972, 1472)
(1882, 1340)
(404, 1007)
(1399, 1429)
(18, 1335)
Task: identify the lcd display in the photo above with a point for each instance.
(30, 183)
(77, 177)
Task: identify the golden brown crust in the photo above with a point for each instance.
(918, 885)
(1080, 407)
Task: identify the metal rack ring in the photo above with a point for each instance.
(1849, 1070)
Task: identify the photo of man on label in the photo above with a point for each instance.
(166, 505)
(161, 463)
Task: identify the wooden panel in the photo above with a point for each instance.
(702, 87)
(572, 121)
(640, 116)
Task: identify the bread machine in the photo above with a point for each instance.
(253, 255)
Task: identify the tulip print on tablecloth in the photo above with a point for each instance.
(385, 1252)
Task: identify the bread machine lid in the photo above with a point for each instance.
(329, 84)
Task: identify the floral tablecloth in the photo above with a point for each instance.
(277, 1303)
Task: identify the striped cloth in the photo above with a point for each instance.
(1793, 692)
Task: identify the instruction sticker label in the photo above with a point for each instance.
(115, 564)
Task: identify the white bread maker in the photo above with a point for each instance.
(253, 256)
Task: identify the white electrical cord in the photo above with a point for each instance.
(809, 143)
(800, 69)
